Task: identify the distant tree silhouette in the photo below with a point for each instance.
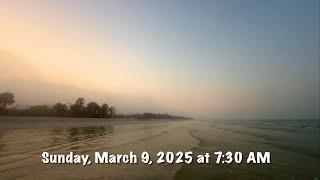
(93, 109)
(80, 102)
(6, 98)
(78, 108)
(38, 110)
(151, 116)
(60, 109)
(104, 111)
(112, 111)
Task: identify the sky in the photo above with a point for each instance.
(206, 59)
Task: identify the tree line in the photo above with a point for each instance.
(78, 109)
(146, 116)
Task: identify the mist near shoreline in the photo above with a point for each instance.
(30, 89)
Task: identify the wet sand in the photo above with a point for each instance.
(20, 152)
(294, 148)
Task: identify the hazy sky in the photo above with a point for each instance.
(219, 59)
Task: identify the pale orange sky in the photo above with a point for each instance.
(57, 51)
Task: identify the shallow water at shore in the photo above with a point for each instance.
(293, 145)
(21, 148)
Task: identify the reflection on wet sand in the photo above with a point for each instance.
(21, 149)
(77, 134)
(18, 145)
(291, 144)
(1, 145)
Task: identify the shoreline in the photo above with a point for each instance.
(23, 122)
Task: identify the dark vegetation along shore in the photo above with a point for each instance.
(79, 109)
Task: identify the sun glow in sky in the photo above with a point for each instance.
(219, 59)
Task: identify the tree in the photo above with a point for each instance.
(93, 109)
(38, 110)
(80, 102)
(104, 110)
(60, 109)
(78, 108)
(112, 111)
(6, 98)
